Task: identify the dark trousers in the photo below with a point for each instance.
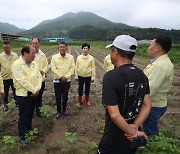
(150, 126)
(38, 101)
(104, 149)
(26, 111)
(7, 84)
(61, 90)
(82, 81)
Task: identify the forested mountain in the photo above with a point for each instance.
(89, 26)
(8, 28)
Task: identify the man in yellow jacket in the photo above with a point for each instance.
(85, 73)
(160, 74)
(43, 67)
(1, 88)
(7, 58)
(27, 81)
(62, 65)
(108, 64)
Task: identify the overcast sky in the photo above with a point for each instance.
(141, 13)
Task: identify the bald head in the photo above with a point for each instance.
(36, 44)
(28, 53)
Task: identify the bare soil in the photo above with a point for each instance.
(87, 123)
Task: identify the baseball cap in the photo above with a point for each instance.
(124, 42)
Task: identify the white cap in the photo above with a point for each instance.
(124, 42)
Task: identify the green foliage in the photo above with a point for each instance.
(8, 143)
(167, 142)
(100, 122)
(142, 50)
(161, 144)
(71, 137)
(100, 105)
(173, 54)
(11, 108)
(86, 25)
(93, 146)
(31, 135)
(3, 122)
(171, 130)
(47, 114)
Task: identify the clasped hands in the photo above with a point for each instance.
(138, 133)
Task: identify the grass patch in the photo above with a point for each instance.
(174, 53)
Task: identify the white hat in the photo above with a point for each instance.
(124, 42)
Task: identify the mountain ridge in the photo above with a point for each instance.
(9, 28)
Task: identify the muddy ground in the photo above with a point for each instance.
(86, 122)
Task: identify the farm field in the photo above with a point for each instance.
(80, 132)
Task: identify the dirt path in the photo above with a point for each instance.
(86, 122)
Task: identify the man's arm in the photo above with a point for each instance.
(93, 70)
(119, 121)
(156, 78)
(19, 76)
(70, 72)
(45, 68)
(144, 112)
(54, 69)
(105, 65)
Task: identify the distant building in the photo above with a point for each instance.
(7, 37)
(24, 39)
(144, 41)
(59, 39)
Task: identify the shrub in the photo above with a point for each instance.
(47, 114)
(71, 137)
(31, 135)
(8, 143)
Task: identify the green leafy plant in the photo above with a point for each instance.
(11, 107)
(161, 144)
(93, 146)
(31, 135)
(47, 114)
(171, 129)
(100, 105)
(71, 137)
(8, 143)
(3, 122)
(167, 142)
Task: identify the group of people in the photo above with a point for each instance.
(134, 100)
(127, 91)
(26, 76)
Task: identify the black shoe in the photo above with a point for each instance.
(5, 108)
(66, 113)
(58, 115)
(23, 142)
(17, 105)
(39, 114)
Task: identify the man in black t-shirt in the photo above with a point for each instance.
(126, 97)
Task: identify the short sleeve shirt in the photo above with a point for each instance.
(126, 87)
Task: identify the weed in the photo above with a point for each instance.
(100, 122)
(8, 143)
(31, 135)
(167, 142)
(47, 114)
(3, 122)
(171, 129)
(71, 137)
(161, 144)
(100, 105)
(93, 146)
(11, 107)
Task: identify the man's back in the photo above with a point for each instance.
(126, 87)
(160, 75)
